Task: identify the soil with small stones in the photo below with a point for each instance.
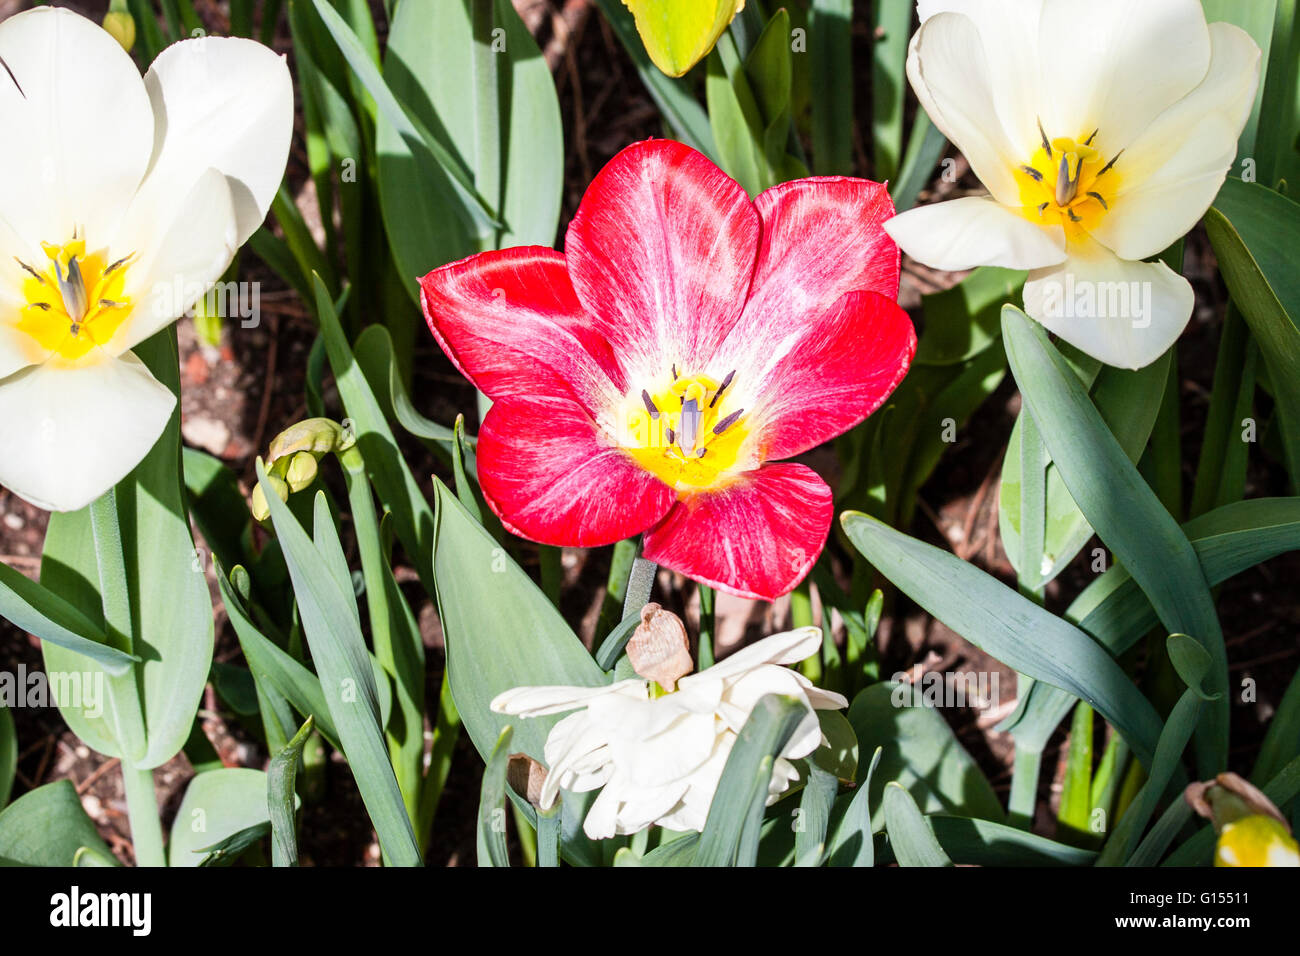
(237, 395)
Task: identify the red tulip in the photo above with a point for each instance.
(647, 379)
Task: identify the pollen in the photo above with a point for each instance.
(1068, 182)
(686, 431)
(75, 300)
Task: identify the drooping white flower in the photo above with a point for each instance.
(658, 759)
(1103, 130)
(122, 200)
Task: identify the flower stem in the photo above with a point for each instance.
(142, 810)
(708, 626)
(640, 582)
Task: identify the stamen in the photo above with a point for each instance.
(671, 436)
(1043, 208)
(1046, 143)
(650, 406)
(723, 387)
(117, 265)
(34, 274)
(1073, 216)
(1105, 169)
(1097, 196)
(675, 375)
(43, 306)
(701, 453)
(1032, 173)
(727, 422)
(1088, 141)
(690, 424)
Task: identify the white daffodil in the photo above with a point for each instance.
(122, 200)
(659, 755)
(1103, 130)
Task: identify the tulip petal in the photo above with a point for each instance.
(512, 324)
(661, 253)
(550, 477)
(71, 434)
(1124, 63)
(78, 133)
(950, 72)
(973, 231)
(756, 537)
(1126, 314)
(179, 254)
(808, 383)
(679, 33)
(1173, 170)
(17, 349)
(225, 103)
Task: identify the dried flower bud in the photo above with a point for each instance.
(1227, 798)
(526, 777)
(659, 649)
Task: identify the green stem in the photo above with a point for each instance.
(708, 626)
(620, 566)
(548, 837)
(142, 810)
(640, 583)
(801, 615)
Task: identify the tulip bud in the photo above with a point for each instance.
(301, 470)
(316, 435)
(526, 777)
(659, 649)
(121, 26)
(262, 510)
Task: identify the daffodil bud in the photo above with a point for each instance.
(316, 435)
(121, 26)
(300, 471)
(1252, 831)
(262, 510)
(526, 777)
(659, 649)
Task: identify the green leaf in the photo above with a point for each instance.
(217, 805)
(347, 676)
(374, 353)
(46, 827)
(1282, 740)
(1076, 788)
(8, 754)
(814, 816)
(1255, 232)
(171, 608)
(830, 48)
(1122, 508)
(430, 68)
(910, 835)
(281, 801)
(731, 830)
(925, 146)
(891, 29)
(502, 632)
(919, 751)
(853, 844)
(984, 843)
(30, 607)
(491, 806)
(1010, 627)
(736, 121)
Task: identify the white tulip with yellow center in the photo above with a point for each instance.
(122, 200)
(658, 755)
(1102, 130)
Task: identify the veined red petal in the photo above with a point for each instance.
(548, 474)
(662, 251)
(756, 537)
(821, 342)
(511, 323)
(842, 368)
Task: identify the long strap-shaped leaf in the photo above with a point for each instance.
(1010, 627)
(1123, 509)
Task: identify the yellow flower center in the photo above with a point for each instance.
(76, 302)
(1068, 183)
(686, 433)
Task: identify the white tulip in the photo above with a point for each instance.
(659, 759)
(115, 191)
(1103, 130)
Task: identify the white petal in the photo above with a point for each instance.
(1115, 65)
(71, 434)
(179, 254)
(974, 231)
(1123, 313)
(220, 102)
(789, 647)
(77, 138)
(1008, 31)
(950, 72)
(556, 699)
(1173, 171)
(17, 349)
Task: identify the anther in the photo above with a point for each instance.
(723, 387)
(117, 265)
(1073, 216)
(1088, 141)
(650, 406)
(1043, 208)
(1097, 196)
(1105, 169)
(675, 375)
(727, 422)
(1046, 143)
(671, 436)
(1032, 173)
